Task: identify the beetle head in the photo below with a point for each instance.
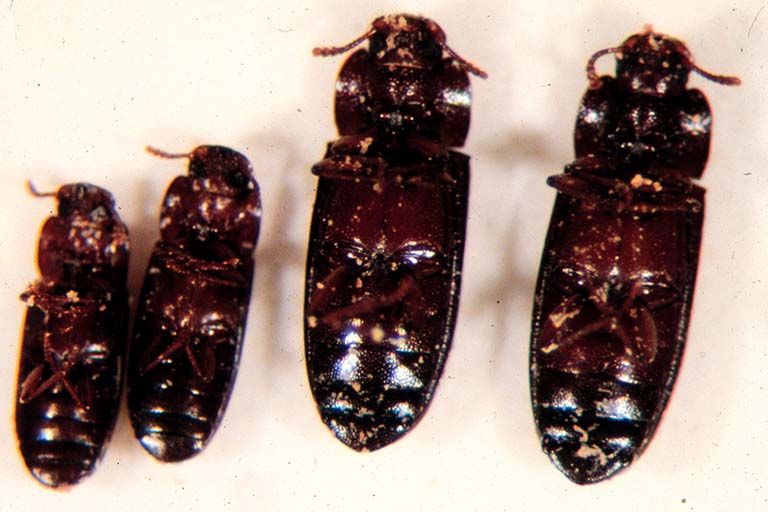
(405, 40)
(86, 244)
(82, 199)
(216, 207)
(654, 64)
(216, 170)
(227, 172)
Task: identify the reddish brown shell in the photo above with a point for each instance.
(69, 383)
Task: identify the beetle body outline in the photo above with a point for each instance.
(387, 233)
(74, 343)
(618, 270)
(193, 307)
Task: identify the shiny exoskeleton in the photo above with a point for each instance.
(387, 235)
(70, 382)
(191, 317)
(618, 269)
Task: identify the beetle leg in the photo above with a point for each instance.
(414, 300)
(350, 167)
(604, 324)
(352, 145)
(179, 341)
(426, 175)
(72, 391)
(579, 183)
(573, 186)
(671, 204)
(87, 392)
(639, 334)
(31, 387)
(638, 328)
(336, 317)
(634, 291)
(661, 299)
(42, 388)
(325, 291)
(202, 358)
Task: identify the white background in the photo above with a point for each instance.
(84, 86)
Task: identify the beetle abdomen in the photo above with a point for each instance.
(381, 298)
(60, 439)
(371, 391)
(189, 333)
(175, 417)
(610, 321)
(591, 425)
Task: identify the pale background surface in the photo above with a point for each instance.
(85, 86)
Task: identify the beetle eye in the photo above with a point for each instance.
(197, 168)
(377, 44)
(65, 207)
(429, 49)
(237, 180)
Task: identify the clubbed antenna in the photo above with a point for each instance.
(164, 154)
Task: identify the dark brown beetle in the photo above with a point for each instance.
(70, 381)
(618, 269)
(387, 235)
(191, 317)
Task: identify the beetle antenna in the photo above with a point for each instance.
(465, 64)
(327, 51)
(594, 80)
(718, 79)
(164, 154)
(32, 190)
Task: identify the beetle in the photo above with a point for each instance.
(69, 381)
(387, 234)
(191, 315)
(617, 274)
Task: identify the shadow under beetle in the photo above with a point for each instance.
(387, 234)
(617, 274)
(70, 377)
(194, 302)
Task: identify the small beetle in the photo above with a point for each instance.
(387, 235)
(617, 274)
(194, 303)
(70, 381)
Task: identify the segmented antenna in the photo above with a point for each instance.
(471, 68)
(594, 80)
(719, 79)
(164, 154)
(335, 50)
(32, 190)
